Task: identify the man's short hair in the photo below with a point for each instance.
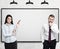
(51, 15)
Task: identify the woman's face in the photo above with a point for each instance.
(9, 20)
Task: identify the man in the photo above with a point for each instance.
(49, 32)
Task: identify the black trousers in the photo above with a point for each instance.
(51, 45)
(11, 45)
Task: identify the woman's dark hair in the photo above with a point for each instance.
(7, 17)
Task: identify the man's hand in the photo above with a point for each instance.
(50, 24)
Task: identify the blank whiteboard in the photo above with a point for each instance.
(32, 20)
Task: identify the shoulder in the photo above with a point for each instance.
(45, 25)
(12, 24)
(3, 25)
(55, 24)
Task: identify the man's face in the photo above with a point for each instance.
(51, 19)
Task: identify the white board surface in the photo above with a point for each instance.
(31, 22)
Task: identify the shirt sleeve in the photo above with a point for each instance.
(5, 33)
(55, 29)
(15, 27)
(42, 34)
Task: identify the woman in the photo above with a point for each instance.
(9, 33)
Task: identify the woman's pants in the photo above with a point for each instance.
(11, 45)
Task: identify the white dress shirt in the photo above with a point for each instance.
(7, 31)
(45, 31)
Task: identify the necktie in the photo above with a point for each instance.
(49, 34)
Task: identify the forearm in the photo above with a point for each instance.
(6, 35)
(42, 34)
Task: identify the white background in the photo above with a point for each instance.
(31, 23)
